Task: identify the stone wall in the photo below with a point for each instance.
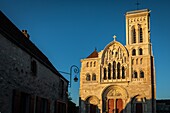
(15, 73)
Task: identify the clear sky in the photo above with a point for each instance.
(67, 31)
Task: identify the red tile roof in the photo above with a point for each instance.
(94, 54)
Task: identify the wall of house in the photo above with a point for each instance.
(16, 74)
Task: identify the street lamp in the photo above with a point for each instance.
(75, 70)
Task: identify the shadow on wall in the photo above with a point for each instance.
(136, 105)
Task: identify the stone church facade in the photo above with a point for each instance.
(121, 79)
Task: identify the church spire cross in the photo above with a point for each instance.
(114, 37)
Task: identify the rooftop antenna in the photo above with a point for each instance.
(137, 4)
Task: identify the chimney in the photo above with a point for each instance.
(26, 34)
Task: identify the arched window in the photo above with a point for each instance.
(136, 61)
(90, 64)
(134, 35)
(87, 64)
(140, 51)
(141, 35)
(88, 77)
(135, 74)
(133, 52)
(94, 77)
(141, 74)
(114, 70)
(109, 71)
(105, 71)
(141, 61)
(123, 72)
(118, 71)
(94, 64)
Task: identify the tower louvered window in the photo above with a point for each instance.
(141, 35)
(134, 35)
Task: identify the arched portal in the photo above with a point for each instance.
(91, 104)
(113, 99)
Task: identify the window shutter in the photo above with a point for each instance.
(48, 106)
(16, 101)
(32, 104)
(38, 105)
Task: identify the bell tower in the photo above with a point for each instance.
(138, 30)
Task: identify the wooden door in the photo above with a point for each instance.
(111, 105)
(119, 106)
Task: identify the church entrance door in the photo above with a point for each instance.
(111, 105)
(118, 108)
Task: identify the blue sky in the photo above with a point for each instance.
(67, 31)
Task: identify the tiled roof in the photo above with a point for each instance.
(94, 54)
(12, 33)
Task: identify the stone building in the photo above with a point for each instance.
(121, 79)
(29, 83)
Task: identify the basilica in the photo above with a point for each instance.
(121, 78)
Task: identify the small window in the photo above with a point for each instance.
(141, 61)
(87, 64)
(94, 64)
(141, 74)
(140, 51)
(94, 77)
(135, 74)
(61, 88)
(88, 77)
(136, 61)
(133, 52)
(90, 64)
(34, 67)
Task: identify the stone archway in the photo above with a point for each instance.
(113, 99)
(92, 104)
